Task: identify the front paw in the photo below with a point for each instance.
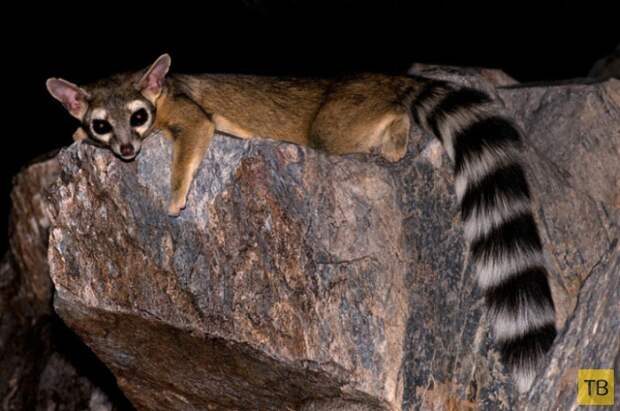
(175, 207)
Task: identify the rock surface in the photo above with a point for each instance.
(43, 365)
(301, 281)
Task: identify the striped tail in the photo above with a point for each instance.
(495, 203)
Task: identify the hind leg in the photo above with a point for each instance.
(393, 146)
(385, 133)
(363, 116)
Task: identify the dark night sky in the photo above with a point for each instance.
(268, 37)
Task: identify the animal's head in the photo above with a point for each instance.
(118, 112)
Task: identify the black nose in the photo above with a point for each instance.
(127, 150)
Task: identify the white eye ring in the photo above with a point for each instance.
(101, 127)
(134, 107)
(139, 118)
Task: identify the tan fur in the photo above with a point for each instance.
(80, 135)
(230, 127)
(367, 113)
(191, 132)
(362, 114)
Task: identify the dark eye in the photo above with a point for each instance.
(101, 127)
(138, 118)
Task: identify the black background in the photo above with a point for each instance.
(267, 37)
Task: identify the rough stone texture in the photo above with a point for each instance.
(29, 232)
(575, 133)
(590, 340)
(36, 372)
(301, 281)
(297, 280)
(287, 273)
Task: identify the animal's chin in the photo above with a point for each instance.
(127, 158)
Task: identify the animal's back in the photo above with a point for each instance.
(280, 108)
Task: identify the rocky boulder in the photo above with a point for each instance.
(296, 280)
(43, 364)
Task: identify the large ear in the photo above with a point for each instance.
(74, 98)
(152, 82)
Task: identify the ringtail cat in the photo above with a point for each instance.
(359, 114)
